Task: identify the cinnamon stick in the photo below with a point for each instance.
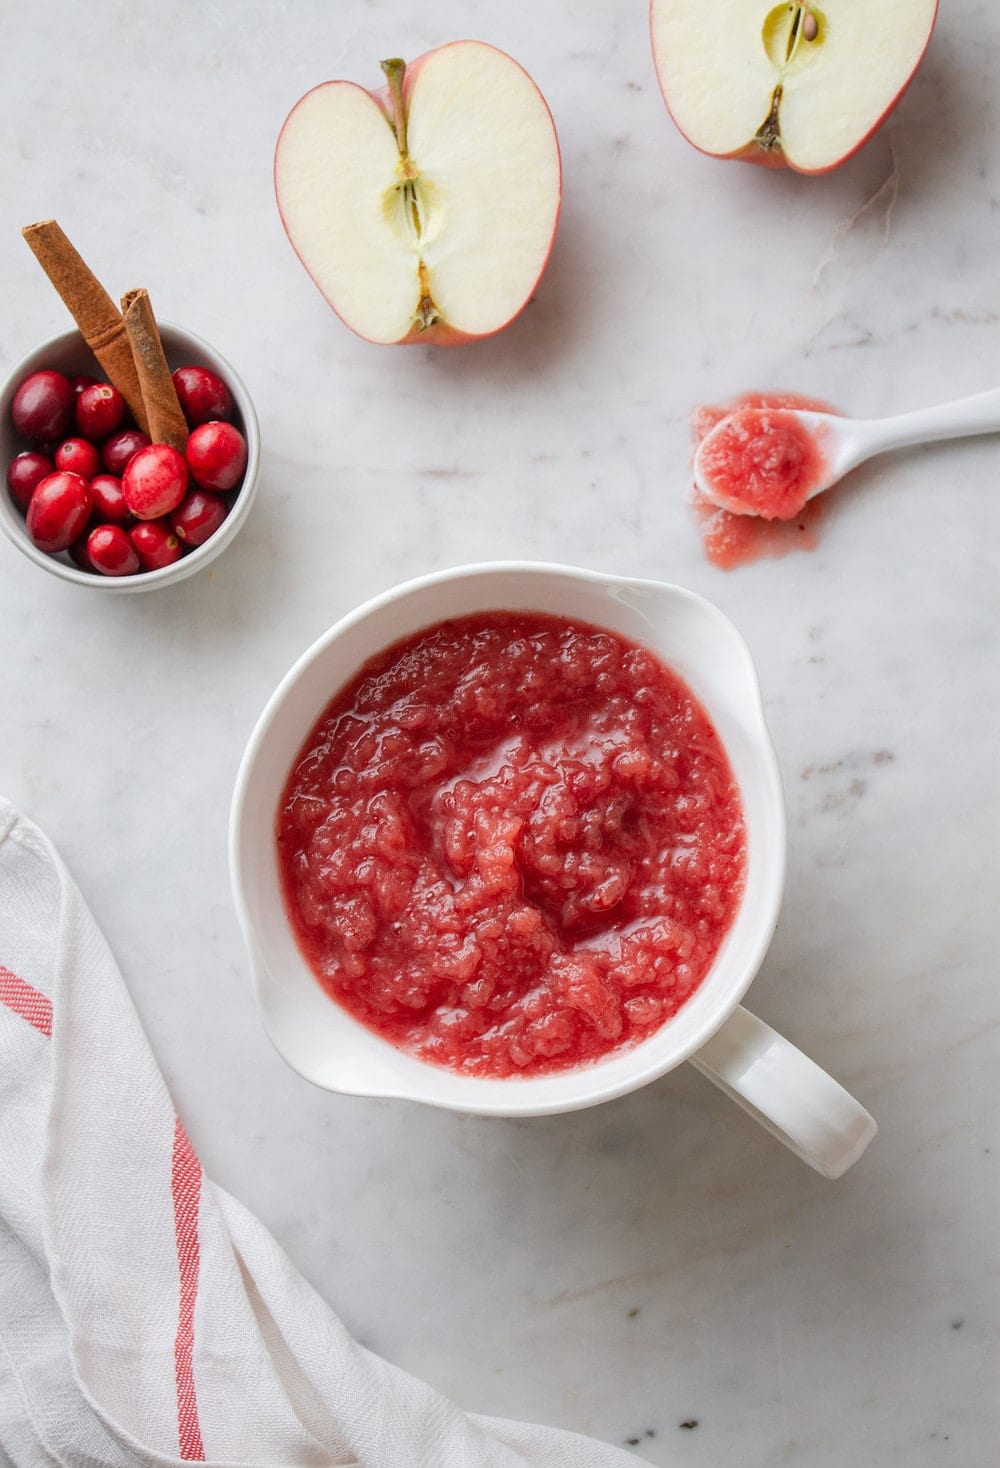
(93, 310)
(167, 423)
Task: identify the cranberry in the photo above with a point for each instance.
(24, 472)
(100, 409)
(111, 551)
(109, 502)
(155, 543)
(80, 556)
(80, 381)
(216, 455)
(155, 481)
(59, 510)
(203, 395)
(199, 517)
(120, 447)
(42, 409)
(79, 457)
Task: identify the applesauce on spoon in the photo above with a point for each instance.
(761, 461)
(770, 459)
(730, 539)
(512, 844)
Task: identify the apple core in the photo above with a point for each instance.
(410, 200)
(792, 33)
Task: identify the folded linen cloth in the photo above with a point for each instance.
(145, 1316)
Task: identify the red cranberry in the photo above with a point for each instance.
(120, 447)
(216, 455)
(155, 543)
(24, 472)
(42, 409)
(100, 409)
(59, 510)
(80, 556)
(203, 395)
(79, 457)
(155, 481)
(80, 381)
(109, 502)
(199, 517)
(111, 551)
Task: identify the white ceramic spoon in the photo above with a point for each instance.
(844, 443)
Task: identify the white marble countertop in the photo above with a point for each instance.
(656, 1271)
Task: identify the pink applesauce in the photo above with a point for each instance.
(764, 462)
(761, 468)
(512, 844)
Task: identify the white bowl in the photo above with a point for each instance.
(322, 1040)
(70, 354)
(327, 1045)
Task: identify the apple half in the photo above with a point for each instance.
(426, 211)
(790, 85)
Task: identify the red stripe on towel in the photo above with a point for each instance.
(31, 1004)
(185, 1183)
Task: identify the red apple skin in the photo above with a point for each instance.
(774, 157)
(440, 334)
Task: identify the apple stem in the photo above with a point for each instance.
(395, 70)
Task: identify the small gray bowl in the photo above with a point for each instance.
(70, 354)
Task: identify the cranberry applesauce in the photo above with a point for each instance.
(731, 539)
(512, 844)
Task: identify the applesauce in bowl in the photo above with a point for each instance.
(512, 844)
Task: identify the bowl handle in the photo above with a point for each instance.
(786, 1092)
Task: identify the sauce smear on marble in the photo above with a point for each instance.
(512, 844)
(777, 472)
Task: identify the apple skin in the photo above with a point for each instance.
(775, 158)
(441, 334)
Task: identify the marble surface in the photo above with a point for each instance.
(656, 1271)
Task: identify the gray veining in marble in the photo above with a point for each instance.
(656, 1271)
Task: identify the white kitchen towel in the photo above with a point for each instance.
(145, 1316)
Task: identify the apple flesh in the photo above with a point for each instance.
(800, 86)
(424, 212)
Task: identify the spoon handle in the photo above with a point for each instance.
(960, 419)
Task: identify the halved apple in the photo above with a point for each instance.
(789, 85)
(424, 212)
